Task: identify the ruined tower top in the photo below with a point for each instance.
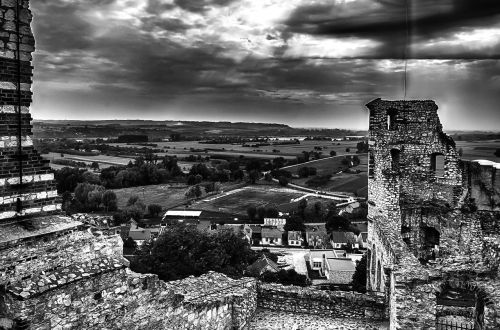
(27, 184)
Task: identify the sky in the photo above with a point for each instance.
(305, 63)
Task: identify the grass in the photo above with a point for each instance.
(339, 182)
(238, 201)
(479, 149)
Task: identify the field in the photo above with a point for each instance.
(166, 195)
(181, 149)
(103, 160)
(479, 149)
(237, 201)
(339, 182)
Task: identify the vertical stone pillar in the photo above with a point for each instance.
(27, 184)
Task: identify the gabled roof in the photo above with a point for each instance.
(343, 237)
(263, 264)
(271, 232)
(295, 235)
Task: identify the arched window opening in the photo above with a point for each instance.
(395, 158)
(461, 307)
(391, 119)
(437, 165)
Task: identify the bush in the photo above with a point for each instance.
(154, 209)
(283, 181)
(285, 277)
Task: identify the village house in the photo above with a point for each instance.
(271, 236)
(261, 266)
(316, 235)
(295, 238)
(139, 234)
(342, 240)
(339, 270)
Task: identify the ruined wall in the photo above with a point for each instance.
(428, 219)
(335, 304)
(26, 183)
(120, 299)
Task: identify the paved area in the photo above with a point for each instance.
(275, 320)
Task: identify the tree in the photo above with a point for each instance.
(317, 208)
(109, 200)
(302, 207)
(295, 223)
(94, 166)
(194, 192)
(337, 223)
(132, 200)
(154, 209)
(253, 176)
(272, 212)
(497, 153)
(347, 149)
(460, 152)
(261, 212)
(183, 250)
(238, 175)
(252, 212)
(359, 278)
(333, 153)
(283, 181)
(362, 147)
(130, 243)
(303, 172)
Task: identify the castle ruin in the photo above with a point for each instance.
(433, 227)
(434, 222)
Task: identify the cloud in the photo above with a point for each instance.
(393, 24)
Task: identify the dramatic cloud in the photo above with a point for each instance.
(268, 60)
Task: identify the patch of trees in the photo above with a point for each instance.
(359, 278)
(362, 147)
(261, 212)
(68, 162)
(305, 171)
(319, 180)
(88, 198)
(497, 152)
(131, 138)
(183, 250)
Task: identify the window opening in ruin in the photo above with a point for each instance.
(459, 308)
(391, 119)
(437, 165)
(379, 275)
(395, 157)
(430, 246)
(374, 259)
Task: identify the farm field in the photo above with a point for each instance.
(237, 201)
(340, 182)
(166, 195)
(286, 151)
(479, 149)
(103, 160)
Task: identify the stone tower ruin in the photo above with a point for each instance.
(434, 222)
(27, 185)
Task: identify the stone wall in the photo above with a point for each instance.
(424, 230)
(116, 298)
(335, 304)
(27, 184)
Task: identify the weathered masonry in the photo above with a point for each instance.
(434, 222)
(26, 183)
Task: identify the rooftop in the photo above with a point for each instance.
(340, 264)
(182, 213)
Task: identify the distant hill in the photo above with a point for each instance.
(161, 129)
